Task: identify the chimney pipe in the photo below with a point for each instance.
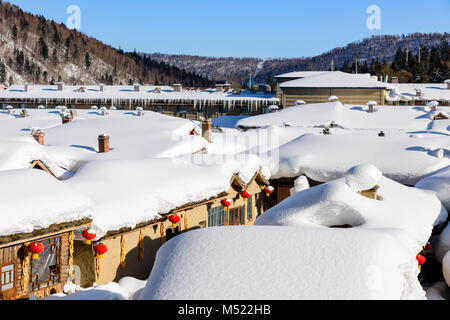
(207, 130)
(38, 135)
(103, 143)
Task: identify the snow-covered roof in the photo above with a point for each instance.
(145, 188)
(120, 94)
(70, 145)
(336, 79)
(349, 116)
(403, 157)
(339, 202)
(407, 92)
(283, 263)
(300, 74)
(32, 199)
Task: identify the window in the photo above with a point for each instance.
(7, 277)
(170, 233)
(236, 216)
(244, 110)
(216, 217)
(223, 109)
(181, 109)
(250, 208)
(159, 109)
(46, 270)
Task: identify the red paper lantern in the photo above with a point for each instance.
(100, 250)
(269, 190)
(421, 260)
(226, 203)
(174, 219)
(35, 248)
(245, 195)
(88, 235)
(427, 246)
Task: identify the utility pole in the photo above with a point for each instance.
(332, 65)
(407, 52)
(356, 65)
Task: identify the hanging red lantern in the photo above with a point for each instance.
(175, 220)
(269, 190)
(100, 249)
(35, 248)
(88, 235)
(421, 260)
(427, 246)
(245, 195)
(226, 203)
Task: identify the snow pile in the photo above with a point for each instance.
(438, 182)
(32, 199)
(446, 267)
(308, 263)
(442, 244)
(406, 213)
(300, 184)
(363, 177)
(438, 291)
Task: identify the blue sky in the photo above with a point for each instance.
(245, 28)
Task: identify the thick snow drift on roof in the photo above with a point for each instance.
(308, 263)
(70, 145)
(336, 79)
(129, 192)
(348, 116)
(410, 210)
(32, 199)
(402, 157)
(439, 183)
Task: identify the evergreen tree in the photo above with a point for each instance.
(2, 72)
(43, 48)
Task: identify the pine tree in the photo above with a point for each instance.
(43, 48)
(2, 72)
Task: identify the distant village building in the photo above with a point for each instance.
(173, 101)
(350, 88)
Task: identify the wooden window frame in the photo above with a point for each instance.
(14, 270)
(34, 283)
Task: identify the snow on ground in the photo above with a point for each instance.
(307, 263)
(403, 157)
(32, 199)
(127, 288)
(439, 183)
(404, 212)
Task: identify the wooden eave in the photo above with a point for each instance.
(53, 230)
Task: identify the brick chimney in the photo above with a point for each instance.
(371, 193)
(103, 143)
(38, 135)
(207, 130)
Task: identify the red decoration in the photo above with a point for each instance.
(245, 195)
(226, 203)
(174, 219)
(427, 246)
(269, 190)
(420, 259)
(35, 248)
(89, 235)
(100, 250)
(193, 133)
